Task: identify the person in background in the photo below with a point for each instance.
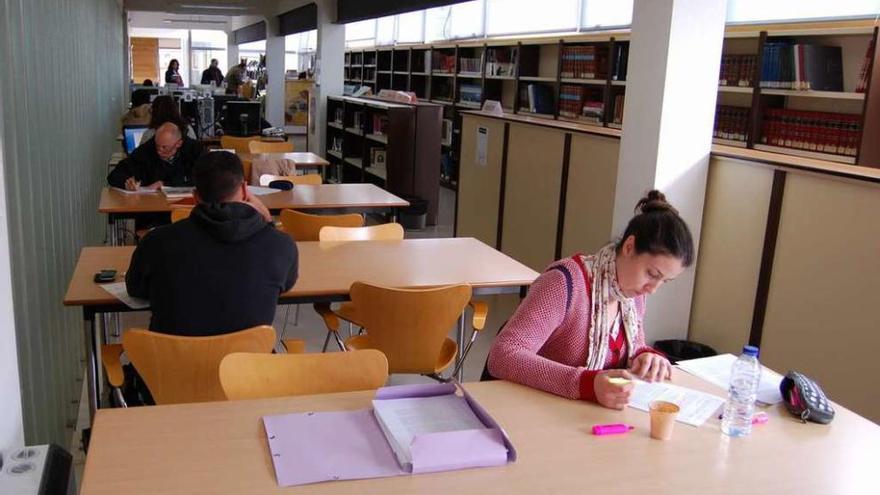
(172, 75)
(164, 110)
(148, 83)
(213, 74)
(166, 159)
(220, 270)
(140, 111)
(236, 76)
(581, 323)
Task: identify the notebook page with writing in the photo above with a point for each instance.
(402, 419)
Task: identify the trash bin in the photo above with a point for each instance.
(681, 350)
(414, 216)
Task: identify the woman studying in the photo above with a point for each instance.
(581, 323)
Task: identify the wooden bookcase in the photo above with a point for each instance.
(361, 130)
(443, 74)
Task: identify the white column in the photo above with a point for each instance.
(329, 73)
(672, 85)
(231, 52)
(275, 70)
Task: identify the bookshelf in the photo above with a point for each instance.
(393, 145)
(588, 71)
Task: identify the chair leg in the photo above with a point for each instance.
(120, 399)
(349, 329)
(284, 327)
(296, 316)
(460, 364)
(326, 341)
(339, 342)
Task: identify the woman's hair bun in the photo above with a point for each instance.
(654, 201)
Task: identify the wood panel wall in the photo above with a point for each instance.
(145, 59)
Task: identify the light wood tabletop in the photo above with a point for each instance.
(221, 448)
(324, 196)
(329, 268)
(304, 159)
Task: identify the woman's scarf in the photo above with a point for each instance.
(602, 270)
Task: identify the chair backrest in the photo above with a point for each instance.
(384, 232)
(270, 147)
(307, 180)
(409, 326)
(254, 376)
(239, 144)
(185, 369)
(305, 227)
(178, 214)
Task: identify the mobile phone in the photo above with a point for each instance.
(105, 276)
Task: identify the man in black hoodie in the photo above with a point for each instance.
(220, 270)
(166, 159)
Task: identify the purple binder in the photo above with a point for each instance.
(347, 445)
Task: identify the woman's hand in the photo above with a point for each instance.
(651, 367)
(609, 394)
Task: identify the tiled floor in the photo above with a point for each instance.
(310, 327)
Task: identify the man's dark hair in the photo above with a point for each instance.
(148, 82)
(217, 175)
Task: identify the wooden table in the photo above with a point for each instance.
(326, 271)
(341, 198)
(221, 448)
(301, 159)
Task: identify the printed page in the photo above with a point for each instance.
(118, 290)
(696, 407)
(402, 419)
(716, 370)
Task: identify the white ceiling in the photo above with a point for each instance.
(199, 7)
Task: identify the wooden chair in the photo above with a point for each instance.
(255, 376)
(306, 180)
(183, 369)
(178, 214)
(383, 232)
(270, 147)
(239, 144)
(306, 227)
(410, 326)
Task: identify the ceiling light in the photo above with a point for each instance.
(211, 7)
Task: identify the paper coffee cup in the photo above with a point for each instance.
(663, 419)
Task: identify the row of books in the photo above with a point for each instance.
(380, 123)
(617, 118)
(536, 98)
(442, 62)
(862, 85)
(500, 61)
(621, 56)
(577, 101)
(822, 132)
(584, 62)
(470, 93)
(801, 66)
(469, 64)
(732, 122)
(737, 70)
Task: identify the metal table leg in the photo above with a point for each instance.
(91, 341)
(460, 342)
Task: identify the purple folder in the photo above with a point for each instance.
(348, 445)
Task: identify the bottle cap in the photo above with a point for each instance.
(751, 350)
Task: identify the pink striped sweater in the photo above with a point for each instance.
(545, 343)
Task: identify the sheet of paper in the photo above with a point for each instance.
(177, 192)
(118, 290)
(696, 407)
(402, 419)
(261, 191)
(139, 190)
(716, 370)
(482, 145)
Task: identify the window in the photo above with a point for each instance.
(300, 51)
(529, 16)
(411, 27)
(744, 11)
(461, 20)
(606, 13)
(206, 45)
(361, 33)
(385, 34)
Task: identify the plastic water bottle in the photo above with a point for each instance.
(744, 378)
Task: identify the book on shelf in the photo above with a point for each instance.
(442, 62)
(357, 120)
(737, 70)
(501, 61)
(576, 101)
(380, 123)
(339, 115)
(377, 157)
(621, 57)
(822, 132)
(469, 64)
(540, 98)
(801, 66)
(862, 85)
(584, 62)
(732, 122)
(618, 108)
(336, 144)
(470, 93)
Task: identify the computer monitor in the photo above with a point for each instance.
(242, 118)
(131, 136)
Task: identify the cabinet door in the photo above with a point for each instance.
(479, 185)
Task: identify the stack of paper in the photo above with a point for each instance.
(402, 419)
(696, 407)
(139, 190)
(177, 192)
(716, 370)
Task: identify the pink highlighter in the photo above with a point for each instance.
(615, 429)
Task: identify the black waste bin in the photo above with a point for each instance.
(414, 216)
(681, 350)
